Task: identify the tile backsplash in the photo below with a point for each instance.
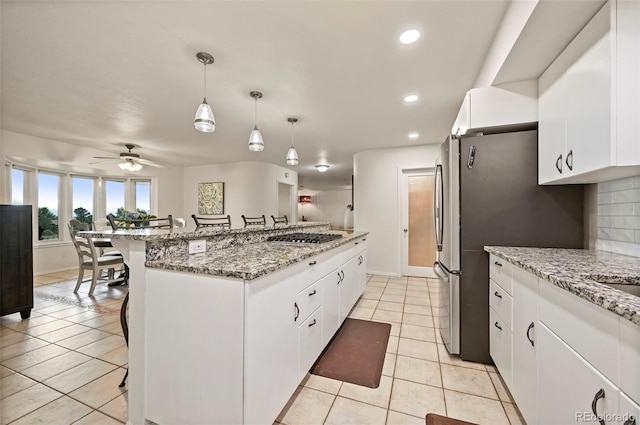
(618, 216)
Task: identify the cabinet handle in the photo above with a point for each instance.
(312, 323)
(342, 278)
(630, 421)
(361, 260)
(497, 325)
(339, 278)
(356, 243)
(569, 164)
(528, 336)
(295, 305)
(313, 263)
(559, 164)
(498, 263)
(312, 293)
(497, 295)
(594, 405)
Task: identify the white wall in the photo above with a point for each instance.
(250, 188)
(64, 157)
(376, 200)
(328, 205)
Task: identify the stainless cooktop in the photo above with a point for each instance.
(305, 237)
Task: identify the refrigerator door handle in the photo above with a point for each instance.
(438, 206)
(446, 270)
(472, 157)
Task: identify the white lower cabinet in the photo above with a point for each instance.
(628, 410)
(249, 344)
(524, 386)
(570, 390)
(331, 306)
(500, 341)
(561, 351)
(309, 341)
(270, 346)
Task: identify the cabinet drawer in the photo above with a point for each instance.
(319, 266)
(500, 346)
(587, 328)
(500, 272)
(309, 341)
(501, 303)
(629, 359)
(309, 299)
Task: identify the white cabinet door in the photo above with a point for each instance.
(569, 388)
(525, 323)
(310, 341)
(629, 359)
(589, 100)
(629, 411)
(552, 131)
(330, 305)
(345, 288)
(271, 346)
(360, 274)
(500, 346)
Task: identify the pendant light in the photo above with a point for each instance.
(256, 143)
(204, 120)
(292, 155)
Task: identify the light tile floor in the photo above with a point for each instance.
(63, 365)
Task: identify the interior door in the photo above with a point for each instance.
(418, 229)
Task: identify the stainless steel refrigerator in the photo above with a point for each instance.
(487, 194)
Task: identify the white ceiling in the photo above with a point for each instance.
(105, 73)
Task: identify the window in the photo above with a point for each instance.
(115, 197)
(143, 195)
(48, 206)
(82, 199)
(17, 187)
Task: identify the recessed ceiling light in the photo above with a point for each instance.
(414, 135)
(411, 98)
(409, 36)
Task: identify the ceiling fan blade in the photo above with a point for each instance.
(106, 157)
(149, 163)
(103, 160)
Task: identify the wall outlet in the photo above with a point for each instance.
(197, 247)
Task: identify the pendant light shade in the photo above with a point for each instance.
(204, 120)
(256, 143)
(292, 155)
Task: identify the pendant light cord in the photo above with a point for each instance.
(292, 134)
(205, 79)
(255, 115)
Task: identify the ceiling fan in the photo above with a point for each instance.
(130, 161)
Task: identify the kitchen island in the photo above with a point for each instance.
(565, 332)
(225, 336)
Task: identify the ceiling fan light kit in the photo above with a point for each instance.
(292, 155)
(130, 165)
(256, 142)
(204, 120)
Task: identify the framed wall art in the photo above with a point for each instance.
(211, 198)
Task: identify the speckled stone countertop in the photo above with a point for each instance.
(191, 233)
(576, 271)
(250, 261)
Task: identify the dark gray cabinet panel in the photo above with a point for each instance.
(16, 260)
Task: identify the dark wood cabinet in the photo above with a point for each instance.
(16, 260)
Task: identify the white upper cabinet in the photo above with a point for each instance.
(589, 102)
(495, 106)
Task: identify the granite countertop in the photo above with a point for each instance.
(574, 270)
(189, 233)
(251, 261)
